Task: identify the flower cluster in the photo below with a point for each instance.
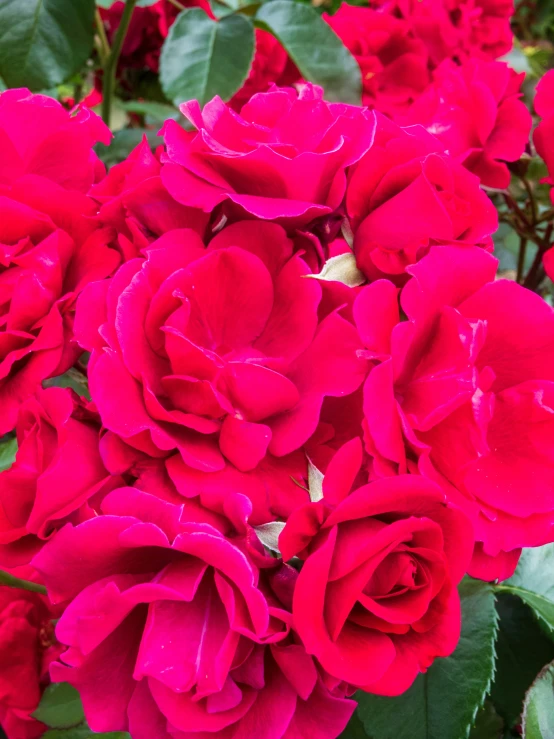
(304, 416)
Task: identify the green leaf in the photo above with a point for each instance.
(443, 703)
(43, 42)
(83, 732)
(140, 3)
(201, 57)
(488, 724)
(316, 50)
(521, 650)
(77, 732)
(533, 582)
(355, 729)
(538, 710)
(8, 450)
(60, 707)
(73, 379)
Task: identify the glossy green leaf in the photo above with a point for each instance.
(44, 42)
(488, 724)
(60, 707)
(8, 450)
(202, 58)
(443, 703)
(140, 3)
(538, 710)
(355, 729)
(522, 648)
(316, 50)
(533, 582)
(73, 379)
(83, 732)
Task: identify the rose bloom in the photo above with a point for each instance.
(57, 476)
(394, 64)
(217, 353)
(283, 158)
(50, 247)
(466, 396)
(136, 206)
(543, 135)
(27, 647)
(169, 601)
(376, 598)
(476, 112)
(457, 29)
(407, 194)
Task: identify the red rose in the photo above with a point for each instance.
(40, 137)
(172, 606)
(407, 194)
(376, 599)
(135, 204)
(217, 353)
(457, 29)
(393, 62)
(57, 474)
(50, 247)
(476, 112)
(466, 396)
(282, 159)
(270, 66)
(27, 647)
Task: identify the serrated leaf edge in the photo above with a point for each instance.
(496, 624)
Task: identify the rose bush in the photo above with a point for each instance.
(314, 432)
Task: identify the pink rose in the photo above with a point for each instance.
(466, 396)
(376, 600)
(476, 112)
(137, 207)
(176, 611)
(407, 194)
(393, 62)
(283, 158)
(50, 246)
(457, 29)
(38, 136)
(217, 353)
(27, 647)
(57, 476)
